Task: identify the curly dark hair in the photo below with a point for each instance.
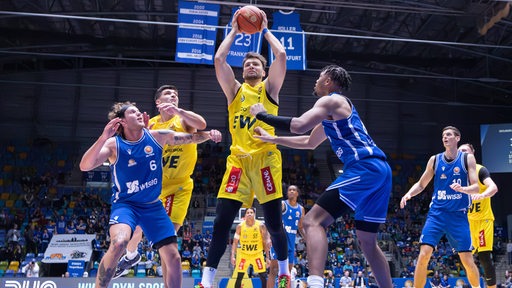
(339, 75)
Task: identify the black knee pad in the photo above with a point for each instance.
(488, 265)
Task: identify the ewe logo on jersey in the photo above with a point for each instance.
(249, 247)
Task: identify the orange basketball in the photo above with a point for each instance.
(250, 19)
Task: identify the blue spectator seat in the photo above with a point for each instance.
(30, 256)
(196, 273)
(141, 270)
(9, 274)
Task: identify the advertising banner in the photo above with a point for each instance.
(65, 247)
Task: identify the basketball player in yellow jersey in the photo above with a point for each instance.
(254, 241)
(253, 168)
(178, 165)
(481, 219)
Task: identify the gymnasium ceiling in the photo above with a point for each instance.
(467, 42)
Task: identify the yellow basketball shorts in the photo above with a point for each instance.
(243, 260)
(257, 175)
(175, 196)
(482, 234)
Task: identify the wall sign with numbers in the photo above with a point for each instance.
(243, 43)
(196, 44)
(286, 28)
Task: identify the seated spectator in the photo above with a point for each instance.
(81, 227)
(329, 280)
(186, 255)
(435, 282)
(508, 280)
(207, 239)
(444, 282)
(358, 267)
(411, 267)
(348, 267)
(360, 281)
(405, 273)
(197, 250)
(195, 262)
(345, 280)
(338, 270)
(300, 245)
(460, 283)
(372, 282)
(198, 238)
(70, 228)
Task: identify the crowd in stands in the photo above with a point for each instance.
(35, 205)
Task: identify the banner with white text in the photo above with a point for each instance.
(65, 247)
(196, 44)
(287, 29)
(243, 43)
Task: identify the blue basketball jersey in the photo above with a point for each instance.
(291, 217)
(137, 172)
(445, 198)
(349, 139)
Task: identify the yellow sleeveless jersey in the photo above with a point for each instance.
(250, 238)
(481, 209)
(179, 160)
(242, 123)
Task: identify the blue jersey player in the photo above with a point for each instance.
(455, 177)
(293, 213)
(135, 157)
(365, 184)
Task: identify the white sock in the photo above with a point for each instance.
(475, 286)
(208, 276)
(283, 267)
(131, 255)
(315, 281)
